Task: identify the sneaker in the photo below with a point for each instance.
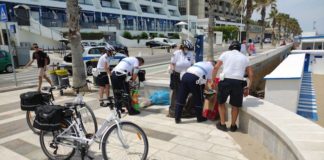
(177, 121)
(202, 119)
(233, 128)
(221, 127)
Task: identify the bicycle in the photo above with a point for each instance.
(115, 136)
(83, 111)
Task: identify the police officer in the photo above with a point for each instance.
(181, 60)
(103, 67)
(193, 81)
(125, 71)
(235, 65)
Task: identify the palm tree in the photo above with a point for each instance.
(261, 5)
(212, 5)
(280, 21)
(73, 10)
(248, 7)
(286, 24)
(273, 15)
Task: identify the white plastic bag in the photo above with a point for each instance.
(95, 72)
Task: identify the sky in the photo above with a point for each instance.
(305, 11)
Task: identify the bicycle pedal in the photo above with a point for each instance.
(89, 135)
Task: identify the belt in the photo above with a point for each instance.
(235, 78)
(194, 73)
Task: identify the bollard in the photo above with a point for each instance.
(152, 50)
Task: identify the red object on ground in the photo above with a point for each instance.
(210, 110)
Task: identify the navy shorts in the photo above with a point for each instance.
(233, 88)
(103, 79)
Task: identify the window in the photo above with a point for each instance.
(89, 2)
(124, 5)
(106, 3)
(144, 8)
(2, 55)
(94, 51)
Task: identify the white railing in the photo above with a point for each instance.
(37, 28)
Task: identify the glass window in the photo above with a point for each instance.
(94, 51)
(2, 55)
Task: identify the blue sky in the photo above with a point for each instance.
(305, 11)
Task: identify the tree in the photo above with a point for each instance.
(261, 5)
(211, 4)
(280, 21)
(229, 32)
(79, 74)
(273, 15)
(248, 7)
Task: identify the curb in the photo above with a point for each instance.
(17, 88)
(156, 64)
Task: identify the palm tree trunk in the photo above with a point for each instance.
(263, 14)
(79, 75)
(273, 34)
(211, 23)
(249, 11)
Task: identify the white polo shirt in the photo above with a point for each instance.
(104, 59)
(200, 69)
(127, 64)
(182, 61)
(234, 64)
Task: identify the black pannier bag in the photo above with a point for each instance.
(30, 100)
(48, 117)
(141, 75)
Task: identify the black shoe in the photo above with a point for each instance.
(233, 128)
(221, 127)
(177, 121)
(202, 119)
(134, 113)
(102, 104)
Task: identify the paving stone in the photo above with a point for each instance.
(21, 147)
(198, 154)
(198, 144)
(163, 155)
(9, 154)
(225, 142)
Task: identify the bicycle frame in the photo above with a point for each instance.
(111, 120)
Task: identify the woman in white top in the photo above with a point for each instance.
(181, 60)
(103, 67)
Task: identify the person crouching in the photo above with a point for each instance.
(193, 81)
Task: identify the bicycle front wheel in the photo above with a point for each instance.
(88, 119)
(30, 117)
(56, 148)
(130, 142)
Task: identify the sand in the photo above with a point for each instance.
(319, 91)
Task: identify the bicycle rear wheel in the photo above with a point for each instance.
(56, 148)
(134, 138)
(30, 117)
(88, 119)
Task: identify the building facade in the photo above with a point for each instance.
(132, 15)
(225, 13)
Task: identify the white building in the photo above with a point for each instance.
(49, 17)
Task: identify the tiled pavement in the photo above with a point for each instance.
(167, 140)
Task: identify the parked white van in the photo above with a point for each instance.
(166, 41)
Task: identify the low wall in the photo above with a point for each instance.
(285, 134)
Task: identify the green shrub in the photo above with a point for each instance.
(144, 35)
(162, 35)
(174, 36)
(153, 35)
(229, 32)
(92, 35)
(127, 35)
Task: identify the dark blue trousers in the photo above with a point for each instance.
(188, 85)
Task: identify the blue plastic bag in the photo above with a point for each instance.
(160, 97)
